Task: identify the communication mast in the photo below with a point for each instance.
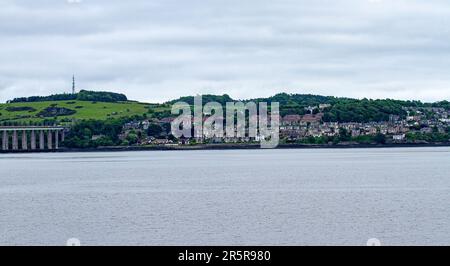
(73, 84)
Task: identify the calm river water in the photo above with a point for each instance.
(227, 197)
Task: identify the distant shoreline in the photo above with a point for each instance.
(230, 147)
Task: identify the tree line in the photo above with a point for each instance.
(83, 95)
(340, 110)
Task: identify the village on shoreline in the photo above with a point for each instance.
(130, 125)
(419, 127)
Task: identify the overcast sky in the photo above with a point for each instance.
(156, 50)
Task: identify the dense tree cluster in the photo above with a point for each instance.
(99, 96)
(345, 137)
(340, 110)
(81, 134)
(428, 137)
(363, 111)
(53, 111)
(222, 99)
(19, 109)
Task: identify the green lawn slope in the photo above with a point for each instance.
(12, 112)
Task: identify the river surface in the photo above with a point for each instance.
(400, 196)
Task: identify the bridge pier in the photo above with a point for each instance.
(49, 140)
(33, 140)
(24, 140)
(5, 144)
(15, 145)
(41, 140)
(56, 139)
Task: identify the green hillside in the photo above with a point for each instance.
(340, 109)
(86, 105)
(65, 111)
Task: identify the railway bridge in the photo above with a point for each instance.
(23, 138)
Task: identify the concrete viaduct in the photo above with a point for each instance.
(37, 138)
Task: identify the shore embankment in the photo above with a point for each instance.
(230, 147)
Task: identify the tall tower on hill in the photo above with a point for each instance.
(73, 84)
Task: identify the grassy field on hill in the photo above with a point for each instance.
(104, 105)
(36, 112)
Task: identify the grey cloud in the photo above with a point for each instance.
(161, 49)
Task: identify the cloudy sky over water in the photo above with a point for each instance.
(161, 49)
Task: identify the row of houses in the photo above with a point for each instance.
(297, 127)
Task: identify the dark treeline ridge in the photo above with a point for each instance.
(340, 109)
(222, 99)
(83, 95)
